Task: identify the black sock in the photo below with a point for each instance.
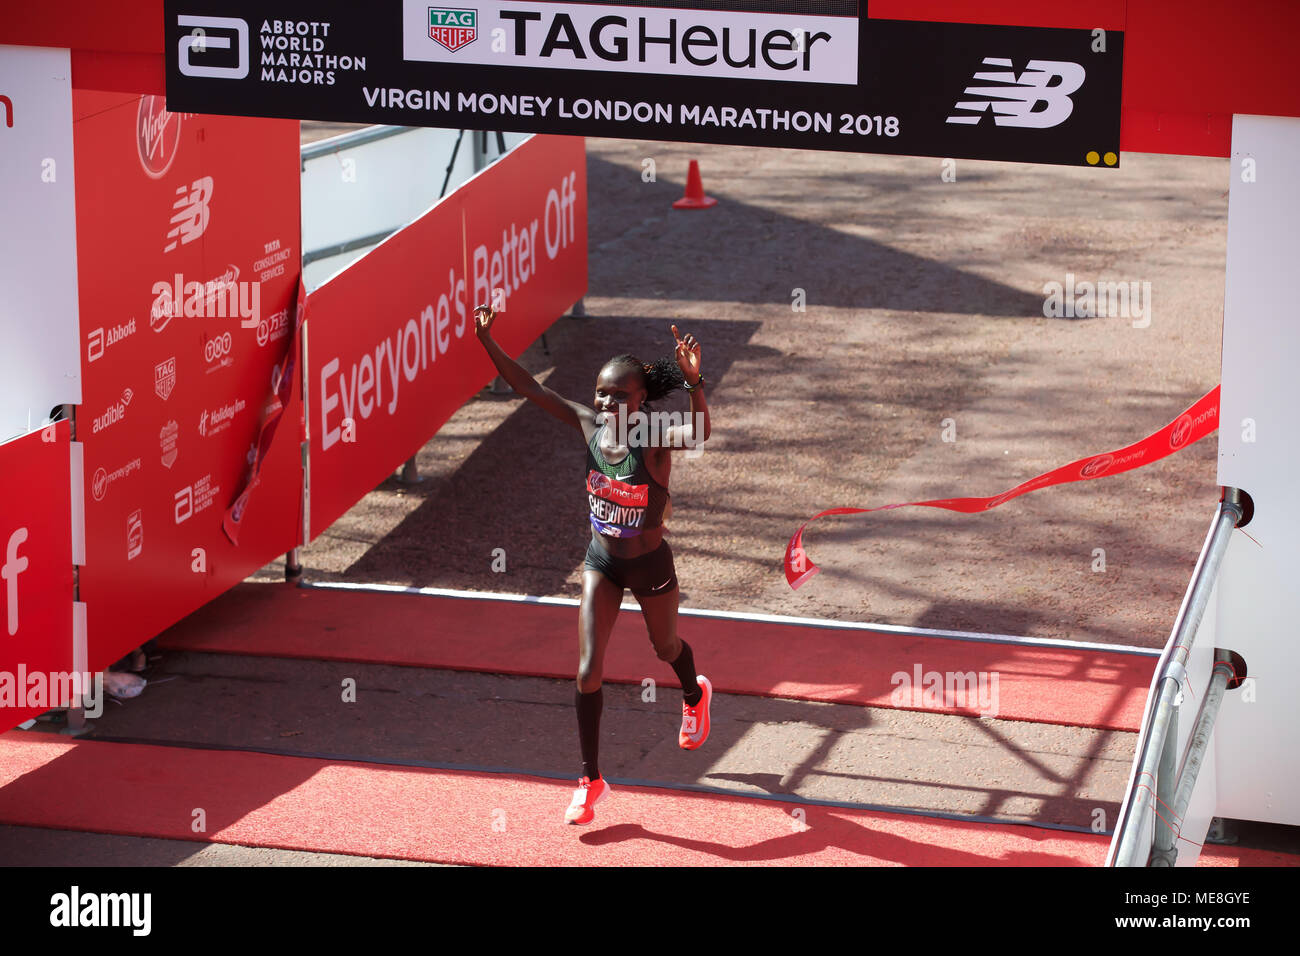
(589, 708)
(684, 668)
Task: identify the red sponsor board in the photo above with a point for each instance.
(188, 249)
(35, 571)
(391, 352)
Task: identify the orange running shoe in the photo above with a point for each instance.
(583, 807)
(695, 720)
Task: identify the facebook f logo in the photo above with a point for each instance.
(13, 567)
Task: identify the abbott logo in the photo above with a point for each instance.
(13, 567)
(200, 40)
(1038, 98)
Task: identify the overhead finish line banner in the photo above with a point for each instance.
(817, 74)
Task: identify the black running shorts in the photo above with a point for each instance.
(647, 576)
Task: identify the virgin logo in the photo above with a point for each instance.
(99, 484)
(1096, 466)
(157, 135)
(1178, 434)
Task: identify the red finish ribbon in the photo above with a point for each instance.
(272, 412)
(1191, 426)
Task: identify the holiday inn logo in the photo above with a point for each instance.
(452, 28)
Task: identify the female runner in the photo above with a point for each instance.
(627, 492)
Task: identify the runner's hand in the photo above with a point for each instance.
(688, 357)
(484, 316)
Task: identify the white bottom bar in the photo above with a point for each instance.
(748, 616)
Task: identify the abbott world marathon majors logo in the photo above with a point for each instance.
(194, 499)
(305, 52)
(813, 41)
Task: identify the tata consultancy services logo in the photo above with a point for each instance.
(452, 28)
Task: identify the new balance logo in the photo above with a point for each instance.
(1038, 98)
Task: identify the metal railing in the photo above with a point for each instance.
(349, 140)
(354, 138)
(1158, 761)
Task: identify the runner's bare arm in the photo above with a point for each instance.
(677, 437)
(573, 414)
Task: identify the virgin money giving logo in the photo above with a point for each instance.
(1178, 434)
(157, 135)
(452, 29)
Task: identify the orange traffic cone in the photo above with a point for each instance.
(694, 197)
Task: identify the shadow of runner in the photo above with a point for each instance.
(828, 830)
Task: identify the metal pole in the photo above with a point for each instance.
(1201, 734)
(1163, 852)
(451, 164)
(410, 472)
(1132, 823)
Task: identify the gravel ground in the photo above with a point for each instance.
(923, 304)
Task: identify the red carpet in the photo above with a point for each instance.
(1073, 687)
(453, 817)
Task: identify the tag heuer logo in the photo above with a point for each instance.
(164, 378)
(451, 28)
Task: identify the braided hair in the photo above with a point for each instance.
(659, 378)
